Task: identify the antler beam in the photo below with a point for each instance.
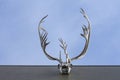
(43, 40)
(86, 35)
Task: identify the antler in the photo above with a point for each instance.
(63, 45)
(43, 40)
(86, 35)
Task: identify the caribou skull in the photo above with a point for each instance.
(64, 67)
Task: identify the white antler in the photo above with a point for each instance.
(86, 35)
(43, 40)
(63, 45)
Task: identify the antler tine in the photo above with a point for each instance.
(86, 35)
(43, 40)
(63, 45)
(42, 20)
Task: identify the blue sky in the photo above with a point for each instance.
(19, 40)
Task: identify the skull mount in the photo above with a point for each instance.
(64, 67)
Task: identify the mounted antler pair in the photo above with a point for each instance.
(64, 67)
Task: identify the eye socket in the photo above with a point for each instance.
(58, 66)
(71, 65)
